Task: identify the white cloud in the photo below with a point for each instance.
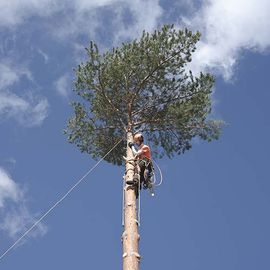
(44, 55)
(228, 28)
(14, 12)
(84, 5)
(83, 17)
(17, 221)
(8, 189)
(145, 17)
(15, 216)
(63, 85)
(7, 76)
(28, 111)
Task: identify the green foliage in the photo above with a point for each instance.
(142, 85)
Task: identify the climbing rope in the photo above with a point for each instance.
(160, 174)
(123, 203)
(139, 203)
(58, 202)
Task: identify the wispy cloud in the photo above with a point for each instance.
(15, 216)
(142, 14)
(18, 220)
(44, 55)
(10, 160)
(142, 20)
(7, 76)
(63, 85)
(228, 28)
(9, 190)
(28, 109)
(15, 12)
(27, 112)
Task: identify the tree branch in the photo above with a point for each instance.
(101, 88)
(168, 101)
(107, 127)
(152, 72)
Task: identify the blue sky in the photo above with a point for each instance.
(212, 212)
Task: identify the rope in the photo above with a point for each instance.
(155, 179)
(154, 176)
(139, 201)
(58, 202)
(123, 203)
(160, 173)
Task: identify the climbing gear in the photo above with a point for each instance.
(148, 183)
(137, 183)
(143, 173)
(130, 144)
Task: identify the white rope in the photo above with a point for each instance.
(123, 203)
(57, 203)
(155, 179)
(160, 173)
(139, 201)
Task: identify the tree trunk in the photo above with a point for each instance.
(130, 237)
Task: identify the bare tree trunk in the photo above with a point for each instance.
(130, 237)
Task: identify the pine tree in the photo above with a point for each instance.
(141, 85)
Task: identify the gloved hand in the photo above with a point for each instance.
(130, 144)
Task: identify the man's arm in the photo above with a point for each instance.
(134, 151)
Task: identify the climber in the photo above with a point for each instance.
(143, 157)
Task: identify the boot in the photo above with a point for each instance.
(134, 181)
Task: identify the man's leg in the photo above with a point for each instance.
(142, 178)
(148, 175)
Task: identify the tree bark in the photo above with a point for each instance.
(130, 237)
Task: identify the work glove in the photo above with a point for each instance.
(130, 144)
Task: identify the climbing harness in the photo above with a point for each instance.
(58, 202)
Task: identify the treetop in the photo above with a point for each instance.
(142, 85)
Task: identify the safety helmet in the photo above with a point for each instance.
(138, 138)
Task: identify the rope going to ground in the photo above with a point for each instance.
(57, 202)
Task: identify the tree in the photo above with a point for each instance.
(141, 85)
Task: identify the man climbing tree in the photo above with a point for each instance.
(144, 160)
(141, 85)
